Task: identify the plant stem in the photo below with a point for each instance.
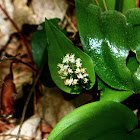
(21, 36)
(20, 61)
(71, 24)
(26, 104)
(137, 3)
(8, 58)
(97, 3)
(105, 5)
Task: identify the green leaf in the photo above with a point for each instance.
(106, 37)
(128, 4)
(135, 134)
(97, 121)
(39, 47)
(40, 53)
(133, 20)
(46, 78)
(124, 5)
(59, 46)
(110, 94)
(132, 64)
(39, 44)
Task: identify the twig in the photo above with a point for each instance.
(71, 24)
(8, 58)
(137, 3)
(17, 61)
(3, 83)
(97, 2)
(105, 5)
(20, 61)
(21, 36)
(26, 104)
(14, 136)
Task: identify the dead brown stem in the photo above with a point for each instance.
(8, 58)
(137, 3)
(26, 104)
(71, 24)
(20, 61)
(97, 3)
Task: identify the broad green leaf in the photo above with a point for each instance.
(132, 64)
(133, 20)
(97, 121)
(59, 46)
(39, 44)
(110, 94)
(105, 36)
(124, 5)
(135, 134)
(46, 78)
(40, 53)
(39, 47)
(100, 42)
(128, 4)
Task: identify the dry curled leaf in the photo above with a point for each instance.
(8, 96)
(45, 129)
(6, 124)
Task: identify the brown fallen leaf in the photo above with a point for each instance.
(27, 12)
(6, 124)
(5, 25)
(35, 12)
(45, 129)
(52, 106)
(8, 96)
(29, 131)
(49, 9)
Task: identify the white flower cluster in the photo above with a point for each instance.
(72, 72)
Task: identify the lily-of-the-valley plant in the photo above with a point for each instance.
(106, 29)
